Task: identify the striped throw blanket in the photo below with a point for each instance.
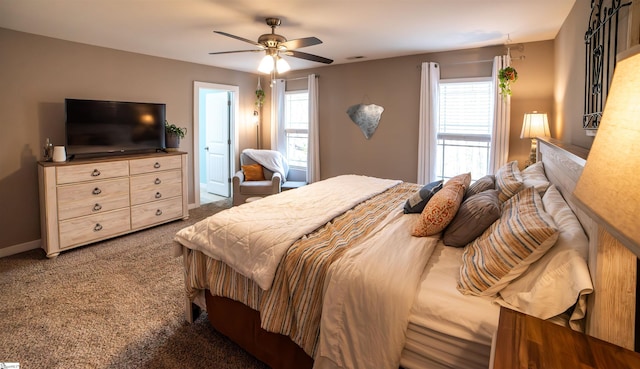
(292, 306)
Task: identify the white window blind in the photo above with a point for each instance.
(296, 127)
(464, 127)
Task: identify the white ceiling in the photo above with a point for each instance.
(375, 29)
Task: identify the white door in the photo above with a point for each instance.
(217, 107)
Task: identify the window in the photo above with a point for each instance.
(296, 127)
(464, 128)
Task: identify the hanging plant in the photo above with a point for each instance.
(506, 76)
(259, 95)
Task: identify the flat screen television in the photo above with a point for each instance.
(110, 127)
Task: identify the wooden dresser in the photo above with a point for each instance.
(523, 341)
(85, 201)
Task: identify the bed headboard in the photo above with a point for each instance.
(611, 308)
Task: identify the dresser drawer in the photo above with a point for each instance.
(75, 200)
(155, 186)
(155, 212)
(82, 230)
(93, 171)
(155, 164)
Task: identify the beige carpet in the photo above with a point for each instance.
(113, 304)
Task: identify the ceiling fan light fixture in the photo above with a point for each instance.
(267, 64)
(274, 44)
(282, 65)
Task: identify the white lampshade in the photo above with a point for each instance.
(267, 64)
(535, 125)
(282, 65)
(608, 186)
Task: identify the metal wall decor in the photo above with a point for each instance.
(601, 40)
(366, 117)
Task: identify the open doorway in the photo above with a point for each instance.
(215, 112)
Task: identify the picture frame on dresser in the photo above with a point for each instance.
(88, 200)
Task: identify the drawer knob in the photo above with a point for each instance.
(157, 181)
(158, 195)
(97, 207)
(95, 173)
(98, 227)
(96, 191)
(158, 212)
(156, 165)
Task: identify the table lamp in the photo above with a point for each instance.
(534, 125)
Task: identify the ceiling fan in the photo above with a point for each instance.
(275, 45)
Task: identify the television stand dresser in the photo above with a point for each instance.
(87, 200)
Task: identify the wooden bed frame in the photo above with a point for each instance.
(611, 308)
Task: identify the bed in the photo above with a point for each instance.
(329, 290)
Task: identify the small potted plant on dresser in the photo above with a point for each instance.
(173, 134)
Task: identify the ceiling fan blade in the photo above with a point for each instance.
(235, 51)
(315, 58)
(240, 38)
(301, 42)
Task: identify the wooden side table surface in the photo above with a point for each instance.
(523, 341)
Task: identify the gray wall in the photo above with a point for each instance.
(37, 73)
(395, 85)
(570, 69)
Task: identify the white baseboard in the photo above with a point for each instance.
(16, 249)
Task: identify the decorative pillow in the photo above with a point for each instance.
(505, 250)
(439, 211)
(561, 277)
(508, 180)
(475, 215)
(533, 176)
(253, 172)
(417, 201)
(463, 179)
(487, 182)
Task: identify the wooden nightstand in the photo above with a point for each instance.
(523, 341)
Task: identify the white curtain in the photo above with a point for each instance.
(278, 87)
(427, 141)
(502, 120)
(313, 148)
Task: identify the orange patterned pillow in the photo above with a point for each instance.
(253, 172)
(440, 210)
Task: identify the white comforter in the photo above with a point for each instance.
(252, 238)
(369, 294)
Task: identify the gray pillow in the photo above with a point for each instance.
(487, 182)
(475, 215)
(417, 201)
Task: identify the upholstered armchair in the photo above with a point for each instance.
(274, 169)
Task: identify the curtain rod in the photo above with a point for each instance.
(470, 62)
(298, 78)
(478, 61)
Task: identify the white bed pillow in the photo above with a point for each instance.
(561, 277)
(534, 176)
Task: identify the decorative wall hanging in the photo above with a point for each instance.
(259, 95)
(601, 42)
(366, 116)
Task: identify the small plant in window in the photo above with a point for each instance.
(506, 76)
